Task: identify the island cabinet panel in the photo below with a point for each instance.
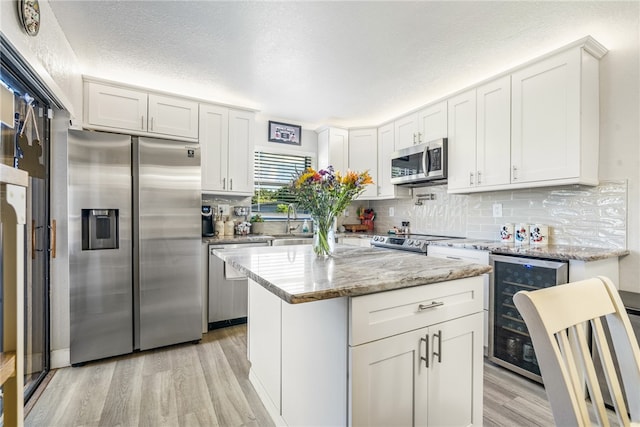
(314, 363)
(423, 368)
(264, 342)
(430, 376)
(383, 314)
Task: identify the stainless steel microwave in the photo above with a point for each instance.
(421, 164)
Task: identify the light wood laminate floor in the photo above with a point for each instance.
(207, 385)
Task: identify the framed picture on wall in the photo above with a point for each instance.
(285, 133)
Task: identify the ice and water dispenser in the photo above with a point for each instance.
(100, 229)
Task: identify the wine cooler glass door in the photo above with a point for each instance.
(509, 342)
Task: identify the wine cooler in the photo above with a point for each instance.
(509, 342)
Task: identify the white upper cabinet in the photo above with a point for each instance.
(432, 122)
(384, 187)
(493, 136)
(406, 131)
(537, 126)
(363, 155)
(241, 143)
(555, 127)
(479, 137)
(426, 125)
(115, 107)
(226, 143)
(462, 140)
(333, 148)
(119, 108)
(173, 116)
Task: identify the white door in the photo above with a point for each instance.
(455, 376)
(241, 143)
(117, 107)
(432, 122)
(173, 116)
(339, 149)
(214, 137)
(462, 141)
(545, 135)
(389, 380)
(363, 155)
(406, 131)
(493, 142)
(385, 150)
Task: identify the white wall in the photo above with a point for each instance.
(309, 141)
(49, 54)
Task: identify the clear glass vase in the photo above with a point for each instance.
(324, 238)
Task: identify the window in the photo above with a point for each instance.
(272, 175)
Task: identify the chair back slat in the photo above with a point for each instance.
(608, 368)
(560, 320)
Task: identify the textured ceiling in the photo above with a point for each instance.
(344, 63)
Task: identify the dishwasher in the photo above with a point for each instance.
(227, 296)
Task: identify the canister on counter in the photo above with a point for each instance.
(522, 234)
(219, 228)
(229, 227)
(539, 234)
(506, 233)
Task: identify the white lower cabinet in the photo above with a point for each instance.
(419, 378)
(477, 257)
(407, 357)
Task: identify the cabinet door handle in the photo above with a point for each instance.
(434, 304)
(419, 136)
(515, 173)
(454, 257)
(33, 239)
(470, 178)
(439, 352)
(141, 122)
(230, 183)
(426, 350)
(414, 138)
(478, 173)
(224, 183)
(53, 238)
(151, 123)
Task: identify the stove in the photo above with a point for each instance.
(407, 242)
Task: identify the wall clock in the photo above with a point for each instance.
(29, 12)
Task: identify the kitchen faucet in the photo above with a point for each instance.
(290, 208)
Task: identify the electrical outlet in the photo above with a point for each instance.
(346, 212)
(497, 210)
(224, 209)
(392, 211)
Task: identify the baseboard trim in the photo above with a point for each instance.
(60, 358)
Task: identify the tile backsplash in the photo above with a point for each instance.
(576, 215)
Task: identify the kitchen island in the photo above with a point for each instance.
(369, 336)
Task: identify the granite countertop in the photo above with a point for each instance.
(559, 252)
(296, 275)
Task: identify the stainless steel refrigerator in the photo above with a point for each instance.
(134, 244)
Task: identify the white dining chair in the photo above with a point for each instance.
(561, 321)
